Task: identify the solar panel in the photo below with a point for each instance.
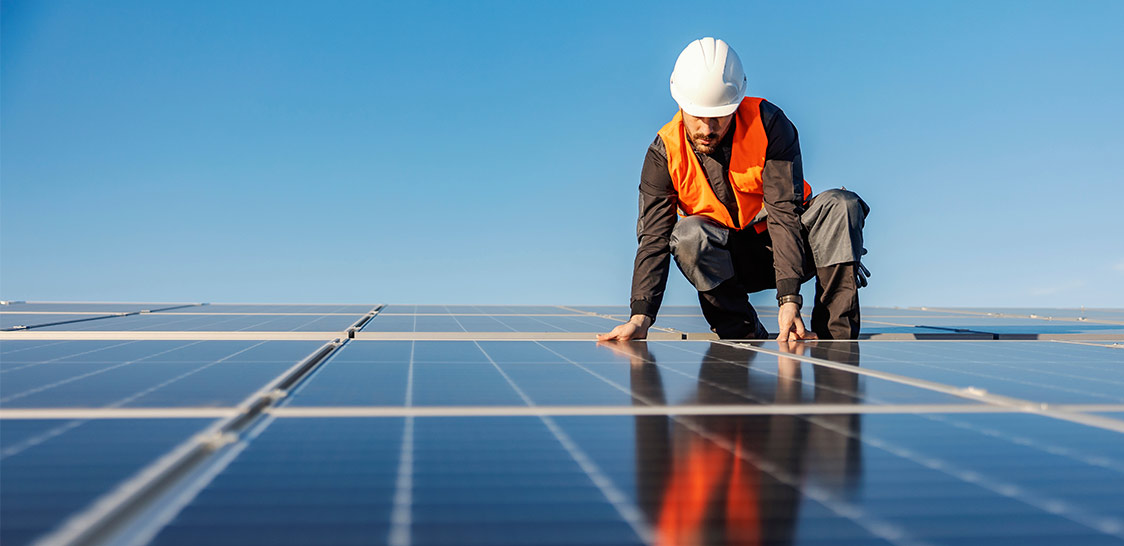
(214, 322)
(276, 309)
(1043, 372)
(488, 323)
(500, 424)
(456, 373)
(16, 321)
(90, 307)
(1006, 325)
(143, 373)
(51, 468)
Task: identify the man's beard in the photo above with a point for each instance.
(704, 148)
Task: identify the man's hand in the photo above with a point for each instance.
(791, 325)
(635, 328)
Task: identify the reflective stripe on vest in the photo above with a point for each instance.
(747, 160)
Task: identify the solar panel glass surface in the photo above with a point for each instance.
(91, 307)
(217, 323)
(1040, 371)
(27, 320)
(142, 373)
(1115, 315)
(840, 479)
(50, 469)
(488, 323)
(404, 440)
(495, 373)
(276, 309)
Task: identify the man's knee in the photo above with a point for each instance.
(694, 236)
(835, 222)
(839, 202)
(698, 245)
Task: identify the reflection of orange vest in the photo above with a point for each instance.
(712, 485)
(747, 160)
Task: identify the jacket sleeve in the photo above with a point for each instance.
(783, 181)
(657, 218)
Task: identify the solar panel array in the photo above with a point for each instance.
(172, 423)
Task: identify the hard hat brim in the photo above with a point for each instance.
(710, 111)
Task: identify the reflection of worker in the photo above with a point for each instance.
(700, 479)
(731, 165)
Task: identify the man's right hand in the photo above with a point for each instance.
(635, 328)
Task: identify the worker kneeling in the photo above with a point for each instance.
(730, 165)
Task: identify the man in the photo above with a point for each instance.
(731, 165)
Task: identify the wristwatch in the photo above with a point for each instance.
(791, 298)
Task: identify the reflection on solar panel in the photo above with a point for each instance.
(462, 424)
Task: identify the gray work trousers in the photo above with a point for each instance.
(724, 265)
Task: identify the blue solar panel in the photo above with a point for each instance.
(489, 323)
(1115, 315)
(1002, 325)
(91, 307)
(144, 373)
(1041, 371)
(404, 440)
(9, 321)
(454, 373)
(274, 309)
(845, 479)
(478, 309)
(341, 482)
(49, 469)
(218, 322)
(303, 481)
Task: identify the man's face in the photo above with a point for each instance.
(706, 133)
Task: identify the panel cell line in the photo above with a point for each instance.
(577, 373)
(133, 374)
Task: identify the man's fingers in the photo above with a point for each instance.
(620, 333)
(783, 335)
(609, 336)
(799, 328)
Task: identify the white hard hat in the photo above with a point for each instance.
(708, 80)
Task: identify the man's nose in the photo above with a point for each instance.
(712, 125)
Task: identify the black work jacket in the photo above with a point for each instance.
(783, 186)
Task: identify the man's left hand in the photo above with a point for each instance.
(791, 325)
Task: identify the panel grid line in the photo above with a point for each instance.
(401, 519)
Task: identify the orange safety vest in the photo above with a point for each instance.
(747, 160)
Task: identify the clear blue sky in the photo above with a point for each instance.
(481, 152)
